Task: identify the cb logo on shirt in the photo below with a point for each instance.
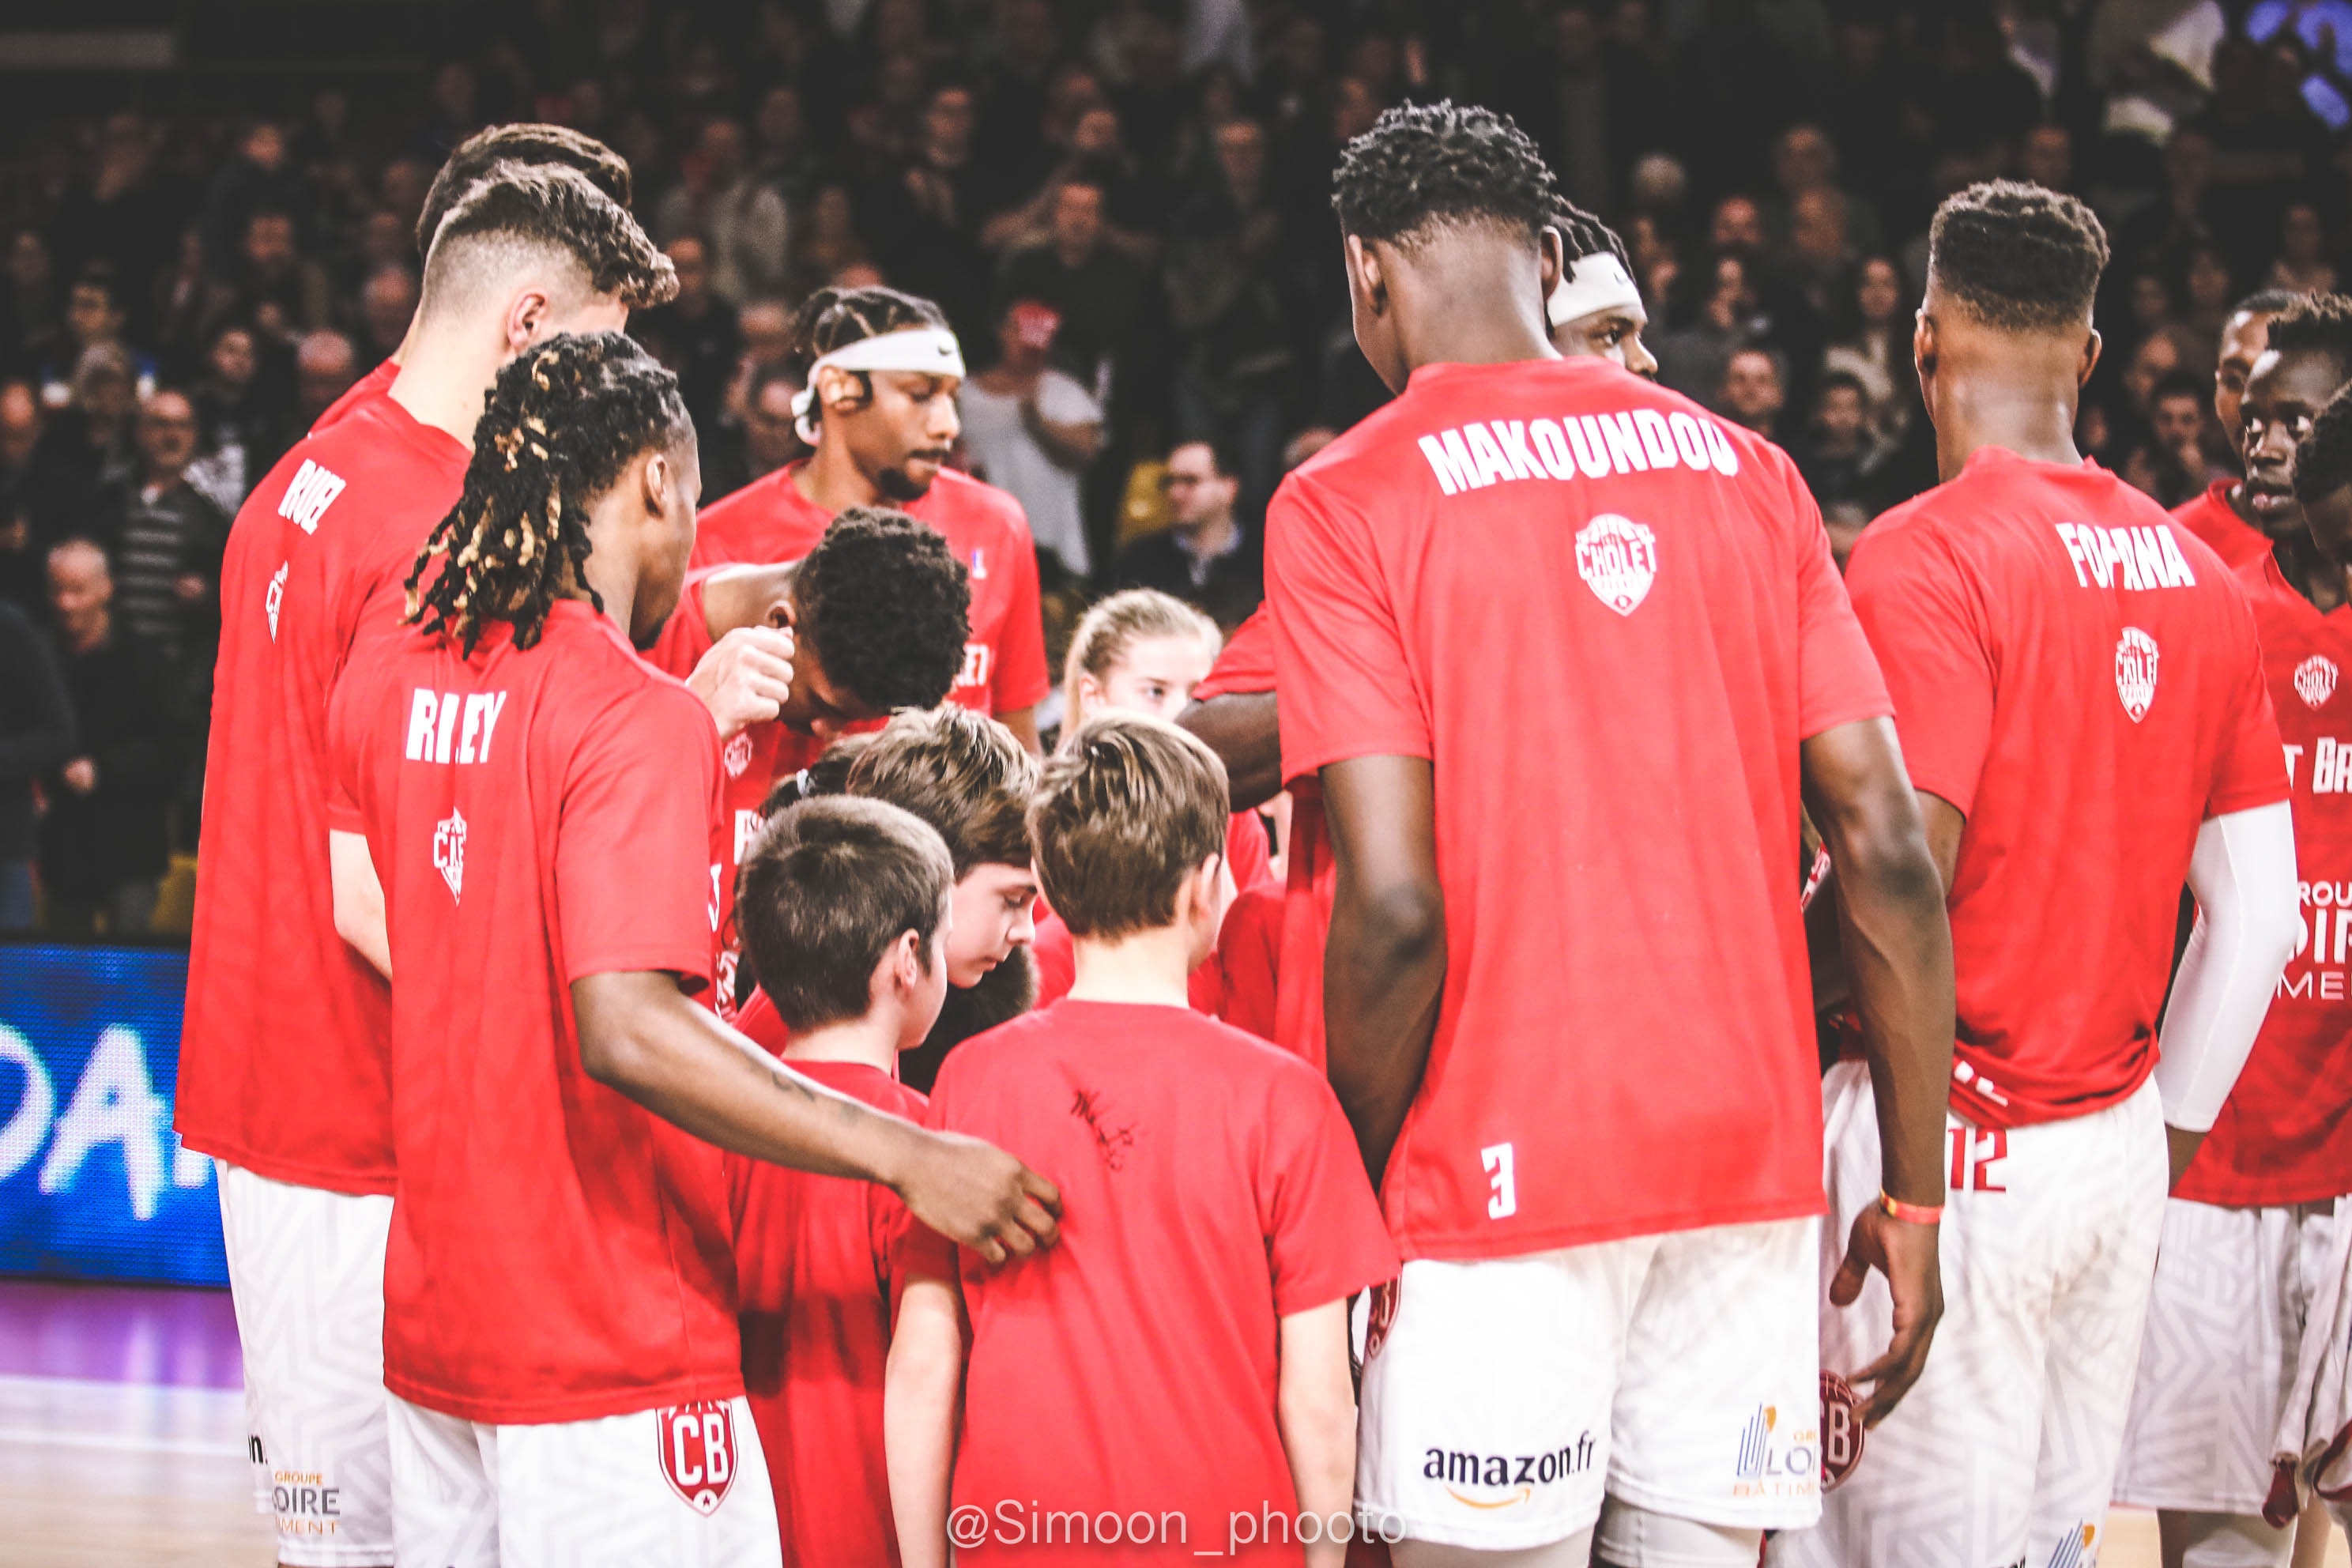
(698, 1452)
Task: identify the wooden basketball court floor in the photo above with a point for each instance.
(123, 1435)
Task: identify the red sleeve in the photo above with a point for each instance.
(1340, 656)
(1245, 664)
(348, 713)
(2249, 769)
(1323, 1229)
(1247, 852)
(633, 876)
(1838, 677)
(1021, 680)
(1918, 609)
(1248, 953)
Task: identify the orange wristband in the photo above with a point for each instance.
(1910, 1213)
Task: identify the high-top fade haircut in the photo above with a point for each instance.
(526, 143)
(1428, 166)
(826, 890)
(2018, 256)
(562, 422)
(2317, 323)
(2323, 459)
(962, 773)
(516, 208)
(1125, 811)
(886, 607)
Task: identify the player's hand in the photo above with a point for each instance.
(745, 679)
(1906, 1253)
(981, 1198)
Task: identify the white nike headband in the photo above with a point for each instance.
(1596, 282)
(925, 351)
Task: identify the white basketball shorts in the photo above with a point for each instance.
(681, 1487)
(2224, 1327)
(1504, 1398)
(306, 1275)
(2004, 1451)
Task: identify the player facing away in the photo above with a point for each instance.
(525, 143)
(2239, 519)
(1592, 309)
(2084, 714)
(845, 909)
(880, 409)
(2253, 1220)
(282, 1065)
(1606, 1324)
(1175, 1373)
(560, 1340)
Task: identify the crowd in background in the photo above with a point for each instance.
(1123, 205)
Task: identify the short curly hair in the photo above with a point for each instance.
(1421, 167)
(886, 607)
(2323, 459)
(551, 207)
(2017, 256)
(2317, 323)
(521, 143)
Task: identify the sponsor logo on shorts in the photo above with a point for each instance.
(2136, 672)
(1773, 1462)
(2314, 680)
(698, 1452)
(2074, 1549)
(1379, 1317)
(304, 1503)
(1842, 1433)
(1509, 1478)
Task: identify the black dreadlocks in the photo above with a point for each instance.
(1582, 234)
(560, 425)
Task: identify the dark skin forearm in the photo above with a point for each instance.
(1896, 939)
(1384, 962)
(1244, 731)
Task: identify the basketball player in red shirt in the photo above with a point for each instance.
(2084, 714)
(2253, 1220)
(559, 1338)
(1592, 309)
(1605, 1336)
(2237, 518)
(521, 144)
(282, 1069)
(845, 911)
(880, 410)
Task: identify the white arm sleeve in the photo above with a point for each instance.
(2249, 919)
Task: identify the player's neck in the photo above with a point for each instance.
(444, 372)
(1478, 302)
(832, 481)
(1148, 966)
(2034, 422)
(870, 1041)
(2311, 574)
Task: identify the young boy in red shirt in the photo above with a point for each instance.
(843, 908)
(1173, 1382)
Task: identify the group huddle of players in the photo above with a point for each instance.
(567, 903)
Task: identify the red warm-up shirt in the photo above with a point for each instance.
(2210, 516)
(282, 1064)
(558, 1252)
(1210, 1188)
(1004, 663)
(367, 388)
(2082, 683)
(814, 1258)
(1609, 620)
(2284, 1135)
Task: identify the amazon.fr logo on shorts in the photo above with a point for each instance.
(698, 1452)
(1504, 1480)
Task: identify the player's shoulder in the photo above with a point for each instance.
(603, 674)
(959, 499)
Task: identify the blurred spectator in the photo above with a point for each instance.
(259, 174)
(929, 238)
(241, 418)
(1871, 344)
(2172, 464)
(387, 301)
(1205, 556)
(35, 498)
(37, 734)
(104, 841)
(1032, 430)
(29, 317)
(325, 366)
(96, 314)
(282, 292)
(1226, 304)
(721, 199)
(1754, 390)
(1094, 287)
(1839, 453)
(1805, 164)
(771, 440)
(2301, 266)
(164, 541)
(698, 331)
(826, 243)
(90, 438)
(1694, 355)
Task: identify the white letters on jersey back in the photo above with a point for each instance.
(2137, 558)
(308, 497)
(1632, 441)
(452, 726)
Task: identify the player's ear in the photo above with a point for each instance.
(1923, 351)
(1364, 275)
(1552, 260)
(2091, 346)
(527, 318)
(656, 478)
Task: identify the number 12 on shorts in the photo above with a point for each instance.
(1500, 1164)
(1976, 1151)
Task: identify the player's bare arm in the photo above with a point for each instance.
(1897, 940)
(359, 900)
(1242, 728)
(1023, 722)
(1384, 966)
(641, 1036)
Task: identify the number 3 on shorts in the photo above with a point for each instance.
(1497, 1158)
